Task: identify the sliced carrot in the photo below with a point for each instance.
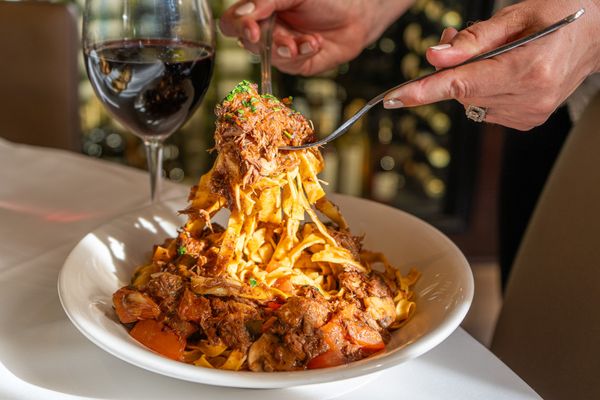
(330, 358)
(333, 334)
(273, 305)
(364, 336)
(159, 338)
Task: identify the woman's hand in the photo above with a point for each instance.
(522, 87)
(312, 36)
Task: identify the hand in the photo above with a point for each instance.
(312, 36)
(520, 88)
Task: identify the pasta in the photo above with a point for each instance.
(277, 288)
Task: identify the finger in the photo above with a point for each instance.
(307, 66)
(265, 8)
(230, 20)
(253, 48)
(241, 19)
(284, 46)
(478, 38)
(512, 115)
(447, 35)
(494, 116)
(293, 48)
(513, 123)
(298, 56)
(501, 101)
(245, 28)
(482, 79)
(308, 45)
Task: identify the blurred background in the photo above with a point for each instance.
(429, 161)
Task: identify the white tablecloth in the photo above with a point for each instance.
(48, 200)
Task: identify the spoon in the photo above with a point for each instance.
(500, 50)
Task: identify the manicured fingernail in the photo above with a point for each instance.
(444, 33)
(441, 47)
(248, 34)
(306, 48)
(284, 52)
(392, 103)
(245, 9)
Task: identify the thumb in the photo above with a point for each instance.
(476, 39)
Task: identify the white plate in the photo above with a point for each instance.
(104, 260)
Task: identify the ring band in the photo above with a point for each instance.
(476, 114)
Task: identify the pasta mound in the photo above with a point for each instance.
(276, 289)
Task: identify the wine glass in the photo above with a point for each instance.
(150, 63)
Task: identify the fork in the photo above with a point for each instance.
(266, 42)
(496, 52)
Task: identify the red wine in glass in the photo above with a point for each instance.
(150, 63)
(151, 86)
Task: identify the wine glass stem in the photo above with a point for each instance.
(154, 153)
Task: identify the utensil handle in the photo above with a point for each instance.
(266, 42)
(492, 53)
(527, 39)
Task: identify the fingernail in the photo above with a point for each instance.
(248, 34)
(443, 36)
(284, 52)
(245, 9)
(444, 33)
(392, 103)
(306, 48)
(441, 47)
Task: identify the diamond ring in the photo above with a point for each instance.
(476, 114)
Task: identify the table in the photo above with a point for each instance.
(49, 199)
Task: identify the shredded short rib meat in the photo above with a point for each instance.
(250, 129)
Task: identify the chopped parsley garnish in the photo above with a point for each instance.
(252, 282)
(181, 250)
(250, 104)
(269, 96)
(242, 87)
